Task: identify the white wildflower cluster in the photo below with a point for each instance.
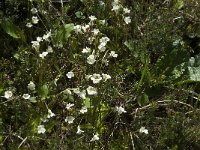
(96, 78)
(116, 5)
(95, 35)
(127, 19)
(103, 42)
(34, 19)
(36, 44)
(82, 93)
(81, 28)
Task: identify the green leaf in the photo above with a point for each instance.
(132, 47)
(165, 66)
(143, 99)
(79, 14)
(189, 71)
(179, 4)
(12, 30)
(44, 91)
(62, 34)
(33, 100)
(87, 102)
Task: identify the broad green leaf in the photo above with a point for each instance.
(44, 91)
(62, 34)
(165, 66)
(132, 47)
(87, 102)
(12, 30)
(135, 51)
(188, 71)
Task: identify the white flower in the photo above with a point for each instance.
(126, 10)
(35, 44)
(120, 110)
(69, 119)
(92, 18)
(95, 138)
(91, 39)
(106, 76)
(41, 129)
(70, 75)
(46, 36)
(69, 105)
(49, 49)
(26, 96)
(50, 114)
(8, 94)
(77, 29)
(127, 20)
(82, 94)
(91, 90)
(91, 59)
(35, 20)
(83, 110)
(143, 130)
(104, 41)
(79, 131)
(84, 28)
(39, 39)
(31, 86)
(43, 54)
(101, 3)
(115, 8)
(96, 78)
(102, 47)
(86, 50)
(95, 31)
(34, 10)
(115, 2)
(113, 54)
(29, 25)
